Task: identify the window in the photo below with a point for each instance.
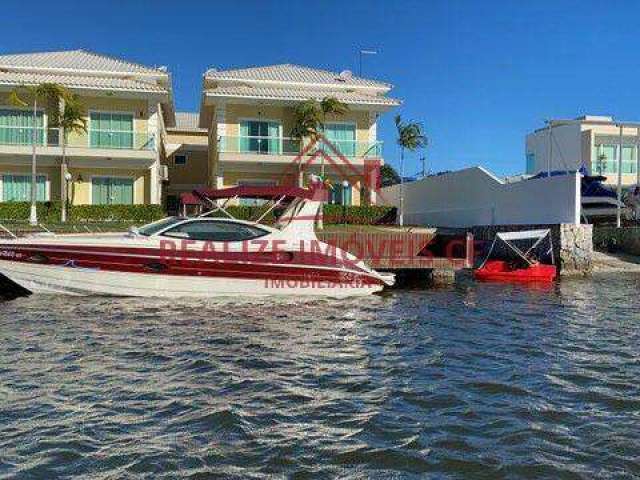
(342, 136)
(111, 130)
(605, 159)
(179, 159)
(531, 162)
(155, 227)
(17, 188)
(111, 191)
(215, 231)
(260, 137)
(16, 127)
(628, 159)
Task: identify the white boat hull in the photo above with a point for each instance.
(54, 279)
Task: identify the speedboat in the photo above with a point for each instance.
(211, 255)
(501, 271)
(526, 268)
(598, 200)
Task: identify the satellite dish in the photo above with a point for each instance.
(345, 75)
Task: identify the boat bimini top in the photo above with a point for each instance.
(302, 204)
(509, 239)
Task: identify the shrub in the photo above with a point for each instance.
(246, 212)
(355, 215)
(359, 215)
(49, 212)
(116, 213)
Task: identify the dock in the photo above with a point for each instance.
(412, 253)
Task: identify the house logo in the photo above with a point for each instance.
(321, 151)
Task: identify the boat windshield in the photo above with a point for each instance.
(155, 227)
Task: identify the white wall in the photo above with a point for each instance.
(566, 153)
(474, 196)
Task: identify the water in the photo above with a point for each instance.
(476, 381)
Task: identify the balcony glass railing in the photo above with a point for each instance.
(259, 145)
(291, 146)
(350, 148)
(24, 136)
(121, 140)
(20, 136)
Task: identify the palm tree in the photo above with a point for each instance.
(47, 95)
(388, 175)
(410, 137)
(330, 106)
(310, 117)
(309, 121)
(72, 119)
(307, 117)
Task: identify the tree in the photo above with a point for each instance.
(388, 175)
(307, 118)
(309, 122)
(72, 119)
(310, 118)
(410, 137)
(48, 95)
(330, 106)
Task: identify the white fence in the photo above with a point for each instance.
(474, 196)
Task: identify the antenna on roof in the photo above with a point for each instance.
(365, 52)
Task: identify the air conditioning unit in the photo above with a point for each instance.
(163, 172)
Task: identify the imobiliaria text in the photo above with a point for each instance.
(334, 268)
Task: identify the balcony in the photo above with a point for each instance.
(279, 146)
(102, 140)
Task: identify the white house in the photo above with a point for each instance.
(590, 141)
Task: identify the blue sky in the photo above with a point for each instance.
(478, 74)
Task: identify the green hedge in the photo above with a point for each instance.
(333, 214)
(359, 215)
(49, 212)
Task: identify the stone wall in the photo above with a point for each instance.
(576, 249)
(572, 244)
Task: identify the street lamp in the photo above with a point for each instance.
(345, 186)
(67, 179)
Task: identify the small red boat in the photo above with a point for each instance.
(501, 271)
(527, 270)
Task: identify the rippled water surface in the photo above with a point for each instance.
(476, 381)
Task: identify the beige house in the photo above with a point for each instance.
(589, 141)
(186, 147)
(249, 116)
(139, 151)
(118, 160)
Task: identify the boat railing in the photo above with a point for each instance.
(6, 230)
(22, 228)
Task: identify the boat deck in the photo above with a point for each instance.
(405, 249)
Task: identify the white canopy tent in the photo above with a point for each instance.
(508, 238)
